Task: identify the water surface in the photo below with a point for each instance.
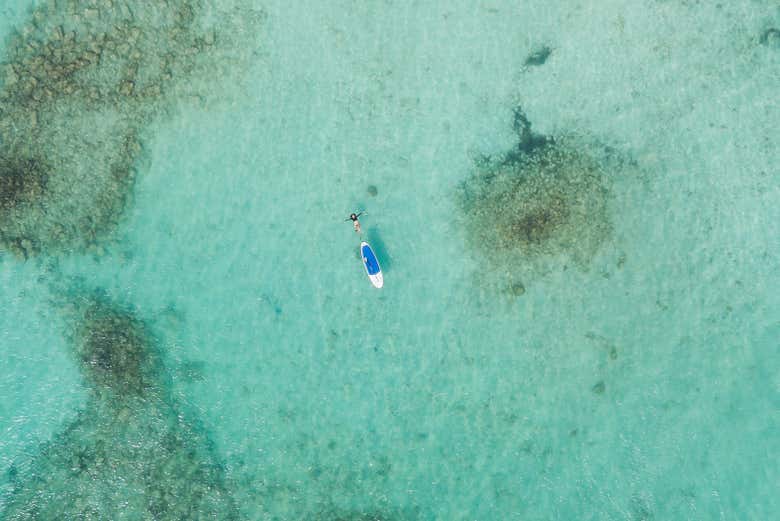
(638, 381)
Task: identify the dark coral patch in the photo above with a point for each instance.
(115, 349)
(545, 198)
(538, 56)
(770, 37)
(22, 182)
(517, 289)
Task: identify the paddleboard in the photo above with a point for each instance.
(373, 270)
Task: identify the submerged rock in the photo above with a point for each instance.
(517, 289)
(770, 38)
(538, 57)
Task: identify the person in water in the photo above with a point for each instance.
(354, 218)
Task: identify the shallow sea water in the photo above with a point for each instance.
(642, 384)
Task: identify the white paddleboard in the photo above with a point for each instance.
(370, 262)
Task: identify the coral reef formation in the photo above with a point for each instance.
(541, 203)
(130, 454)
(78, 85)
(547, 198)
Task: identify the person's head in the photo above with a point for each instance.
(353, 216)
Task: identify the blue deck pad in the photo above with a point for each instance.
(369, 259)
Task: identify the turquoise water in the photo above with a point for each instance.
(638, 381)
